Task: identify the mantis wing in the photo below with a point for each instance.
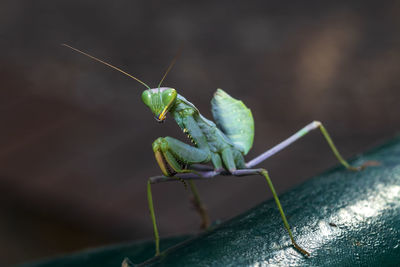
(234, 119)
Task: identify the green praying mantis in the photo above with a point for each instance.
(223, 144)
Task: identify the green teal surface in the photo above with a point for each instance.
(109, 256)
(342, 218)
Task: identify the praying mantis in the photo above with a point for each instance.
(223, 143)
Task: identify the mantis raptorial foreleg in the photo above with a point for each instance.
(172, 153)
(173, 156)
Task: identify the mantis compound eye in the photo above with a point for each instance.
(146, 98)
(168, 97)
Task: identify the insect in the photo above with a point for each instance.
(223, 143)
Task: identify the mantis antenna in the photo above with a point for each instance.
(171, 65)
(109, 65)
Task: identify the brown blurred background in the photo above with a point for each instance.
(75, 139)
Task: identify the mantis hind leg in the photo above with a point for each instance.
(264, 173)
(299, 134)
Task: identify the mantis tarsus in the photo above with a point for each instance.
(223, 144)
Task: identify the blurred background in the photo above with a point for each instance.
(75, 139)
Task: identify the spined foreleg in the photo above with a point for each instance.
(173, 156)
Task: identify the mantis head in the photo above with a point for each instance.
(160, 101)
